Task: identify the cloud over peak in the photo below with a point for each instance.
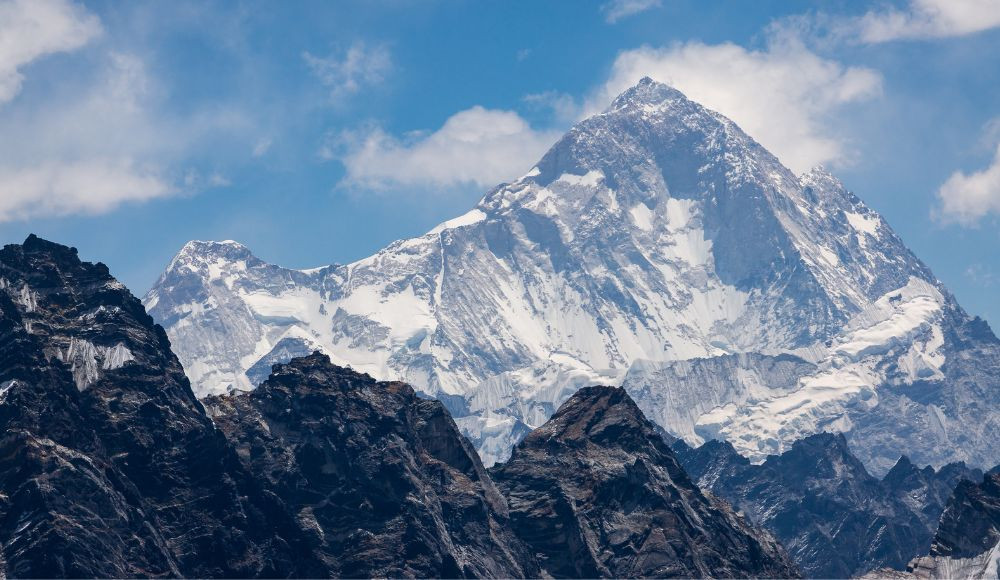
(783, 95)
(476, 146)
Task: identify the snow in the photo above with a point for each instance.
(985, 566)
(642, 217)
(86, 360)
(590, 179)
(5, 387)
(467, 219)
(863, 224)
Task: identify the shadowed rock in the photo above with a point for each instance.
(596, 492)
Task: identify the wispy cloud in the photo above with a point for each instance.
(615, 10)
(32, 29)
(981, 275)
(477, 146)
(966, 198)
(349, 71)
(923, 19)
(101, 141)
(783, 96)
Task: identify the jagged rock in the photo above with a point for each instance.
(967, 542)
(834, 518)
(383, 479)
(109, 466)
(596, 492)
(926, 491)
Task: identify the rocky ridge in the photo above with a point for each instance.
(834, 518)
(596, 492)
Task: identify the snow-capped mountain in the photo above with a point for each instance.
(657, 246)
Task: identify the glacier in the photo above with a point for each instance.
(655, 246)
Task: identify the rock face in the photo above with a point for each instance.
(654, 242)
(834, 518)
(967, 542)
(382, 479)
(927, 491)
(109, 466)
(596, 492)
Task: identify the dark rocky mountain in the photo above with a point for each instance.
(926, 491)
(596, 492)
(109, 466)
(382, 479)
(967, 542)
(835, 519)
(971, 522)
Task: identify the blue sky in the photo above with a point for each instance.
(317, 132)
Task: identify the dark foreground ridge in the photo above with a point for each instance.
(597, 493)
(834, 518)
(109, 466)
(381, 479)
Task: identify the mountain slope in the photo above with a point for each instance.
(967, 542)
(833, 517)
(109, 465)
(381, 478)
(654, 232)
(596, 492)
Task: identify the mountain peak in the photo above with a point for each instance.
(598, 414)
(647, 92)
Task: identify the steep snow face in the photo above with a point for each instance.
(896, 339)
(656, 231)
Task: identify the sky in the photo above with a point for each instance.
(318, 132)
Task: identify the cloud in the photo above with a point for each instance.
(477, 146)
(357, 67)
(564, 107)
(89, 187)
(90, 148)
(981, 275)
(261, 147)
(782, 96)
(32, 29)
(615, 10)
(927, 19)
(967, 198)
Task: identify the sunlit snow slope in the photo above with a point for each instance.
(655, 242)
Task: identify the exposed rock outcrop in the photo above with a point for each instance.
(596, 492)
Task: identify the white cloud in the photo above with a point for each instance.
(615, 10)
(564, 107)
(967, 198)
(88, 149)
(782, 96)
(32, 29)
(89, 187)
(927, 19)
(357, 67)
(476, 146)
(261, 147)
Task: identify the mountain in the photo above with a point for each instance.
(653, 242)
(834, 518)
(109, 466)
(927, 491)
(967, 542)
(382, 479)
(596, 492)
